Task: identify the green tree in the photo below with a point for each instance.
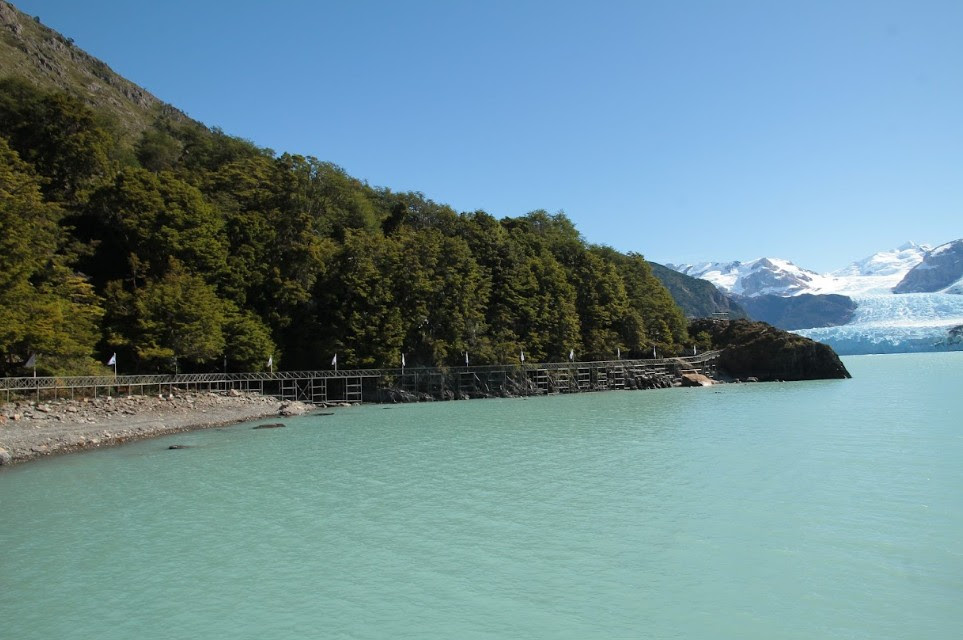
(178, 316)
(361, 318)
(57, 134)
(443, 294)
(158, 150)
(602, 304)
(143, 219)
(248, 342)
(44, 306)
(551, 324)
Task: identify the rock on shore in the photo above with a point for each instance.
(31, 430)
(761, 351)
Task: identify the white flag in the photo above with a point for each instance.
(270, 361)
(523, 356)
(571, 355)
(653, 351)
(402, 360)
(466, 358)
(113, 360)
(334, 360)
(618, 352)
(32, 361)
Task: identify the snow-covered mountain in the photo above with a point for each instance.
(904, 299)
(877, 274)
(763, 276)
(941, 270)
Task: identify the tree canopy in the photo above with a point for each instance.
(191, 246)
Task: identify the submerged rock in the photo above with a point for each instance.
(272, 425)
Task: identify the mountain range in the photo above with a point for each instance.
(903, 299)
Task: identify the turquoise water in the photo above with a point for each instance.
(829, 509)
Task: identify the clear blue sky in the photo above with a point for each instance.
(817, 131)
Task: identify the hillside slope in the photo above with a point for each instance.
(698, 298)
(31, 51)
(175, 247)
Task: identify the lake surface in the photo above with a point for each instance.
(829, 509)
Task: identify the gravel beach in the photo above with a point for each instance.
(30, 430)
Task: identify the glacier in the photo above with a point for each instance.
(895, 324)
(883, 321)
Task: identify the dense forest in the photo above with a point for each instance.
(188, 247)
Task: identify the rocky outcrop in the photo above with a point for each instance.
(288, 409)
(696, 380)
(761, 351)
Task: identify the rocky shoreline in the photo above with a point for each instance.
(30, 430)
(750, 352)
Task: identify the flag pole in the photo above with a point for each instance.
(33, 360)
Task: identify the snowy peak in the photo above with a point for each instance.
(763, 276)
(772, 276)
(887, 263)
(877, 274)
(940, 270)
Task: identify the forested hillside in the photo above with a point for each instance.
(184, 246)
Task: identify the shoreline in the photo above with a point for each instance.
(31, 430)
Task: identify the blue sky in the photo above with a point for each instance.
(815, 131)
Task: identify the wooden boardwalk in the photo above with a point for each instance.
(379, 385)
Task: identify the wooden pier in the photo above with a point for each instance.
(381, 385)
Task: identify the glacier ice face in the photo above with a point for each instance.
(894, 324)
